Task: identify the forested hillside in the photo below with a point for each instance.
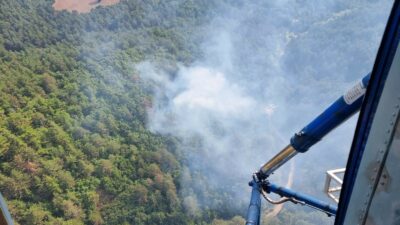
(91, 131)
(74, 148)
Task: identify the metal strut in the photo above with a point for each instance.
(342, 109)
(253, 213)
(281, 200)
(296, 197)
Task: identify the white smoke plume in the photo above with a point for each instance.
(268, 69)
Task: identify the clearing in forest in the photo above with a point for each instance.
(81, 6)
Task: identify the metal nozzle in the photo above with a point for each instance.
(282, 157)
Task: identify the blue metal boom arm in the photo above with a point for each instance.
(253, 213)
(342, 109)
(300, 198)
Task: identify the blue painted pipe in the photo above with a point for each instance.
(303, 198)
(253, 213)
(334, 115)
(342, 109)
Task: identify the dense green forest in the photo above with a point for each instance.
(74, 148)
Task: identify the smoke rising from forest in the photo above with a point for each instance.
(267, 70)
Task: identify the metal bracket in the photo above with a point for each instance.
(333, 189)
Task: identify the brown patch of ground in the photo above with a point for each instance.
(81, 6)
